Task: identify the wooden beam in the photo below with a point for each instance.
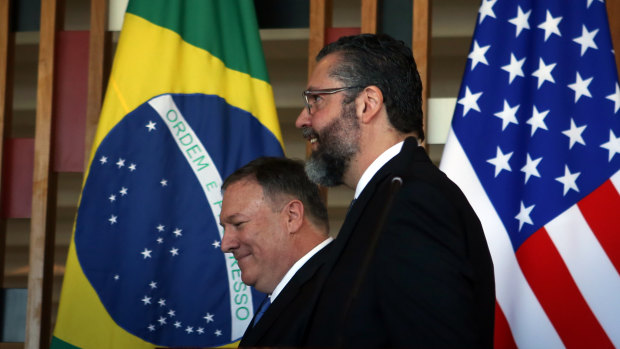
(96, 61)
(38, 312)
(613, 14)
(320, 20)
(7, 43)
(421, 48)
(369, 16)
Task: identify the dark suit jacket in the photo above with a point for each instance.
(430, 282)
(285, 321)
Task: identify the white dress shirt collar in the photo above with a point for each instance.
(291, 272)
(376, 166)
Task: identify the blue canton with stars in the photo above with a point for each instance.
(538, 114)
(145, 235)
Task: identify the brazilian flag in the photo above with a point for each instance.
(188, 102)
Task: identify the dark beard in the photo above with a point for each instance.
(338, 143)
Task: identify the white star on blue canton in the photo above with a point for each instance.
(590, 2)
(218, 333)
(112, 219)
(160, 228)
(500, 161)
(521, 21)
(174, 251)
(103, 160)
(586, 40)
(569, 180)
(132, 167)
(162, 320)
(543, 73)
(580, 87)
(530, 168)
(508, 115)
(477, 55)
(146, 300)
(574, 134)
(537, 120)
(200, 330)
(613, 145)
(177, 232)
(151, 328)
(615, 97)
(550, 25)
(151, 126)
(208, 317)
(177, 324)
(514, 68)
(470, 101)
(161, 302)
(216, 244)
(164, 182)
(189, 329)
(524, 215)
(486, 9)
(153, 285)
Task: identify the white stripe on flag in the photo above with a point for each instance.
(584, 255)
(528, 322)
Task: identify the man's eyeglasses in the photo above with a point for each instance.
(310, 96)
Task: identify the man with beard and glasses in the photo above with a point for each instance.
(410, 266)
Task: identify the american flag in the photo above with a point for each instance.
(535, 146)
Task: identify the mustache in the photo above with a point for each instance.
(309, 132)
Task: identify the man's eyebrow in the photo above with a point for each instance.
(229, 217)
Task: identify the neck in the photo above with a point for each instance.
(360, 163)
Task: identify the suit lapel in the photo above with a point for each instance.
(395, 166)
(254, 333)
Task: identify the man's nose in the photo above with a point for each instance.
(303, 120)
(229, 242)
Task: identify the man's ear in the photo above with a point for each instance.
(370, 103)
(294, 214)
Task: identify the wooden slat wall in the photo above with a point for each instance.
(320, 20)
(6, 48)
(38, 312)
(96, 62)
(421, 48)
(369, 16)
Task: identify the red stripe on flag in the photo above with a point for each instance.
(600, 209)
(558, 294)
(503, 336)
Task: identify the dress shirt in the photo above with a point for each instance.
(291, 272)
(376, 166)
